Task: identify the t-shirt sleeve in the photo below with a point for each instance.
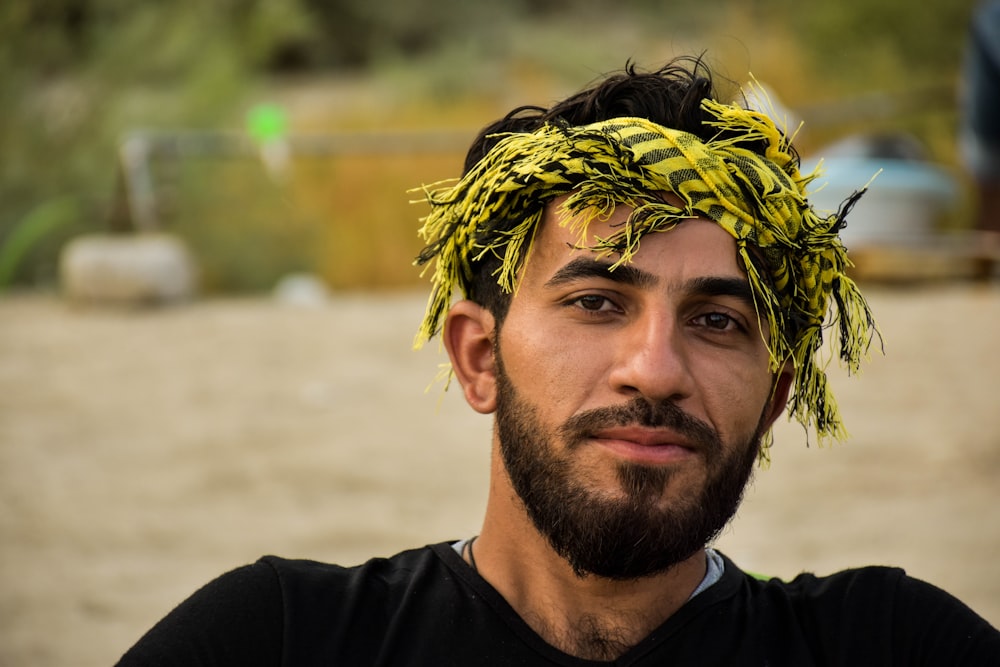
(235, 620)
(935, 628)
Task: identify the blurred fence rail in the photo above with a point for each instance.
(339, 204)
(139, 149)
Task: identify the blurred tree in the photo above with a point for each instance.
(76, 74)
(860, 43)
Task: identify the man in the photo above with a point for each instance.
(646, 288)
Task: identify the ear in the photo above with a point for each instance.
(779, 395)
(468, 337)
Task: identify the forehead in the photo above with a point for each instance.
(694, 248)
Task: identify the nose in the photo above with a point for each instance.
(653, 361)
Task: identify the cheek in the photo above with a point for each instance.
(735, 396)
(547, 366)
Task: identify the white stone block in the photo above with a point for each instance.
(127, 269)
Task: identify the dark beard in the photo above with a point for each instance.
(626, 537)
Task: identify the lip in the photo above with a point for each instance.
(646, 446)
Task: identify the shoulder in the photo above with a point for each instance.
(873, 611)
(298, 576)
(853, 586)
(275, 607)
(235, 619)
(369, 591)
(847, 587)
(358, 615)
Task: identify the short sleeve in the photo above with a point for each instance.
(935, 628)
(236, 619)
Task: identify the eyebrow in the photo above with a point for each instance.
(738, 288)
(584, 267)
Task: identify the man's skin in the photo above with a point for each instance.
(675, 323)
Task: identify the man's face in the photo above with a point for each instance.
(630, 403)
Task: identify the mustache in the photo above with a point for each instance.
(640, 412)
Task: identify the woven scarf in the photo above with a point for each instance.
(793, 256)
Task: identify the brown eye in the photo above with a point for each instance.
(719, 321)
(591, 302)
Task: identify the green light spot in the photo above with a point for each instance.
(267, 122)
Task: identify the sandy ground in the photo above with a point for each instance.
(142, 453)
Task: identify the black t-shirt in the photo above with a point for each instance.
(427, 607)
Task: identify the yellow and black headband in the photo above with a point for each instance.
(794, 258)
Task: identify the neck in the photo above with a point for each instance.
(589, 617)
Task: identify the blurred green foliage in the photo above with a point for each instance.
(75, 75)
